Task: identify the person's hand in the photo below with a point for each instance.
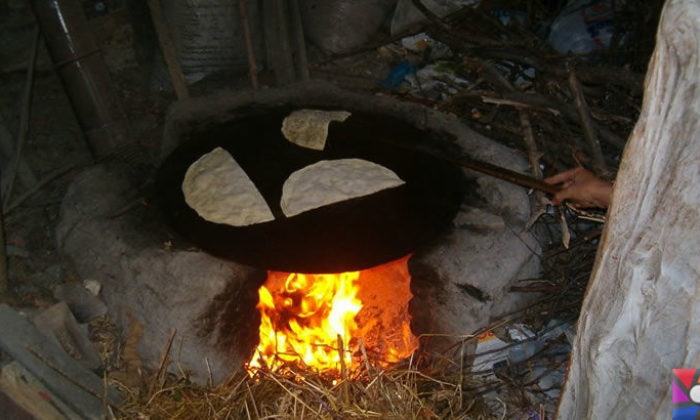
(582, 188)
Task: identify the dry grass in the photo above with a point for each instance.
(402, 392)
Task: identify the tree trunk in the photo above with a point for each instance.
(640, 318)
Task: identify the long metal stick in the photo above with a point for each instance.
(502, 173)
(484, 168)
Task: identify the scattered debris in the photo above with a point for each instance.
(23, 389)
(83, 302)
(73, 383)
(57, 322)
(93, 286)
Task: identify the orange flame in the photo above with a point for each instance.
(302, 316)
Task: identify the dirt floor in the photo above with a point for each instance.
(480, 82)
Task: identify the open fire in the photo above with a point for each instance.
(309, 320)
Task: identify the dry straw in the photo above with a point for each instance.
(403, 391)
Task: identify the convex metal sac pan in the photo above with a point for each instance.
(351, 235)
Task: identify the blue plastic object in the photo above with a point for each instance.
(398, 75)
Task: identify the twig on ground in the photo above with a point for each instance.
(529, 139)
(505, 86)
(368, 368)
(128, 207)
(610, 137)
(587, 215)
(343, 370)
(517, 104)
(210, 377)
(540, 102)
(159, 379)
(533, 155)
(494, 76)
(7, 146)
(587, 124)
(4, 282)
(252, 400)
(47, 179)
(24, 119)
(588, 236)
(432, 17)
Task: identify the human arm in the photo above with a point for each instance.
(582, 188)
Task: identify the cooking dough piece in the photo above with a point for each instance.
(330, 181)
(309, 127)
(219, 190)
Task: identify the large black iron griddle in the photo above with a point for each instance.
(351, 235)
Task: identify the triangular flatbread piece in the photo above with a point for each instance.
(331, 181)
(219, 190)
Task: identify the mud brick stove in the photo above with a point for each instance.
(434, 256)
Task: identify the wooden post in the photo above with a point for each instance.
(640, 316)
(277, 43)
(300, 60)
(252, 68)
(168, 49)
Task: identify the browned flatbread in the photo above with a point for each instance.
(309, 127)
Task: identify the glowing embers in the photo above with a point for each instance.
(303, 316)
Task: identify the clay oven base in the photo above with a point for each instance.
(165, 283)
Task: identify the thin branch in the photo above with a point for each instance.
(587, 124)
(252, 68)
(24, 119)
(529, 139)
(47, 179)
(432, 17)
(4, 282)
(301, 60)
(517, 104)
(163, 362)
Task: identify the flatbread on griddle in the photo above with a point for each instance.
(309, 127)
(219, 190)
(331, 181)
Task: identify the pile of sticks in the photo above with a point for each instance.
(564, 110)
